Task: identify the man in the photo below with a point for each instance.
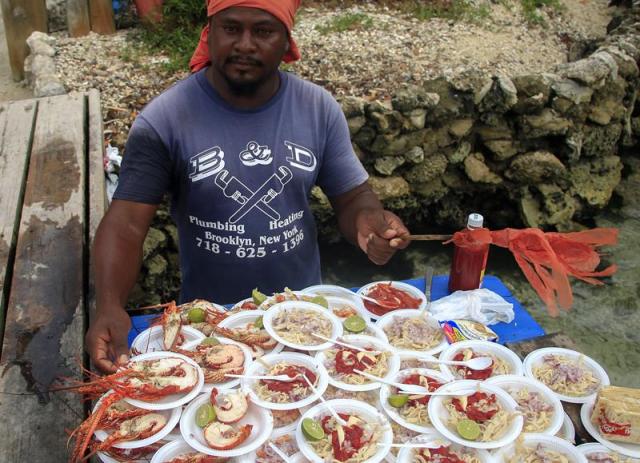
(238, 145)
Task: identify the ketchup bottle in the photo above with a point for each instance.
(469, 263)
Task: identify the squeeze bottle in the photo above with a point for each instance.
(469, 263)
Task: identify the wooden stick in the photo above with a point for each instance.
(426, 237)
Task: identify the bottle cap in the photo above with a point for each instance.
(475, 220)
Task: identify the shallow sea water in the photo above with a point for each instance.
(604, 320)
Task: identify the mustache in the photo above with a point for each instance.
(244, 60)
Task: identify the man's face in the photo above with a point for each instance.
(246, 47)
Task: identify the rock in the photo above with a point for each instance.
(355, 124)
(42, 37)
(601, 140)
(389, 145)
(386, 165)
(591, 71)
(413, 97)
(533, 92)
(172, 231)
(460, 153)
(606, 111)
(627, 66)
(389, 187)
(468, 81)
(498, 96)
(530, 210)
(57, 15)
(415, 155)
(47, 85)
(431, 191)
(595, 179)
(388, 122)
(573, 142)
(39, 65)
(435, 139)
(451, 105)
(38, 46)
(487, 133)
(559, 205)
(352, 106)
(417, 118)
(460, 127)
(572, 91)
(535, 167)
(365, 137)
(154, 241)
(478, 171)
(502, 149)
(156, 265)
(547, 122)
(431, 168)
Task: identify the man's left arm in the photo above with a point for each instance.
(364, 222)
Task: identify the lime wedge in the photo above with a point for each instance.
(210, 342)
(320, 300)
(258, 297)
(196, 315)
(468, 429)
(354, 324)
(398, 400)
(258, 323)
(205, 415)
(312, 429)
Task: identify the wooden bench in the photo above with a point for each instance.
(52, 197)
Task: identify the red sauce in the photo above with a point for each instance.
(473, 410)
(347, 361)
(287, 386)
(390, 296)
(248, 305)
(468, 373)
(609, 427)
(353, 440)
(443, 455)
(432, 385)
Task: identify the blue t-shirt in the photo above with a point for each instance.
(240, 181)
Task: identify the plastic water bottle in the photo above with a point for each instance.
(469, 263)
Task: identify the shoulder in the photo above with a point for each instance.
(175, 99)
(306, 92)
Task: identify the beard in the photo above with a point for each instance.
(248, 86)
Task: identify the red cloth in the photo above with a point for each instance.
(284, 10)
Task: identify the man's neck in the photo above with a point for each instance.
(264, 92)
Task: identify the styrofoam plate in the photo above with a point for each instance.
(292, 306)
(388, 319)
(393, 362)
(412, 290)
(406, 455)
(630, 450)
(438, 414)
(483, 347)
(259, 417)
(151, 339)
(173, 400)
(284, 296)
(352, 407)
(567, 431)
(535, 358)
(385, 392)
(251, 456)
(513, 384)
(550, 442)
(242, 319)
(172, 450)
(333, 291)
(593, 448)
(261, 368)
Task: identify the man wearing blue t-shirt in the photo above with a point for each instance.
(238, 145)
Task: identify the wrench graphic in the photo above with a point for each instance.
(271, 188)
(239, 192)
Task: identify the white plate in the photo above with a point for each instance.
(406, 455)
(172, 416)
(385, 392)
(271, 300)
(406, 358)
(238, 304)
(251, 456)
(151, 339)
(352, 407)
(388, 319)
(630, 450)
(241, 319)
(550, 442)
(104, 458)
(567, 431)
(535, 359)
(332, 290)
(483, 347)
(516, 383)
(260, 368)
(412, 290)
(172, 450)
(393, 362)
(290, 306)
(291, 427)
(259, 417)
(173, 400)
(233, 382)
(438, 414)
(592, 447)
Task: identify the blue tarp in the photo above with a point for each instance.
(523, 326)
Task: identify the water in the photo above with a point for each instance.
(604, 320)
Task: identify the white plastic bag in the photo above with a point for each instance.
(481, 305)
(112, 161)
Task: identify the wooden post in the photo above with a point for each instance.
(21, 18)
(102, 16)
(78, 22)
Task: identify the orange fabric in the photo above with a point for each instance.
(548, 259)
(284, 10)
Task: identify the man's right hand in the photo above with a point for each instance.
(106, 340)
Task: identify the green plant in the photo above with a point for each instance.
(450, 9)
(530, 9)
(345, 22)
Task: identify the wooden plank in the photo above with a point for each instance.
(16, 126)
(97, 194)
(21, 18)
(102, 21)
(556, 340)
(78, 22)
(45, 313)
